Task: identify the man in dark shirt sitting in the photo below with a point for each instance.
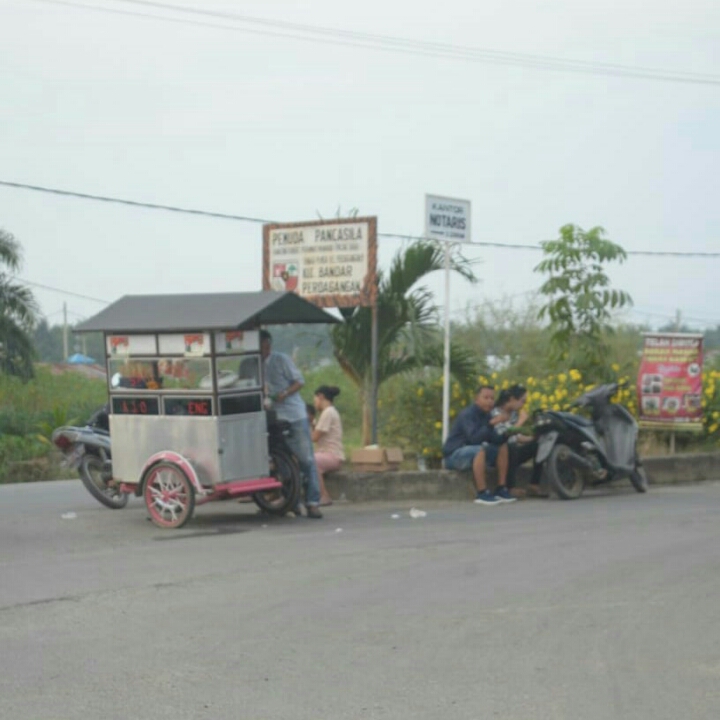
(474, 443)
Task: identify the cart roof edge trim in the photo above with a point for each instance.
(204, 311)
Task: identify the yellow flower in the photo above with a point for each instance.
(713, 428)
(575, 375)
(438, 425)
(615, 367)
(420, 392)
(562, 377)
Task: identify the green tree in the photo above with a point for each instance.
(18, 313)
(578, 298)
(408, 332)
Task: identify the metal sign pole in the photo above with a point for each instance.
(447, 221)
(446, 371)
(374, 373)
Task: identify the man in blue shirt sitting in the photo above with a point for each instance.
(474, 443)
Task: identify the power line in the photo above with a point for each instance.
(246, 218)
(388, 43)
(62, 292)
(133, 203)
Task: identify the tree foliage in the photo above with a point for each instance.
(579, 301)
(18, 312)
(408, 336)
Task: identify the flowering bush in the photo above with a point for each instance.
(711, 403)
(411, 410)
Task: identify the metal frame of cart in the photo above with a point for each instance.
(185, 380)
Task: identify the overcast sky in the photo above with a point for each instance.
(286, 128)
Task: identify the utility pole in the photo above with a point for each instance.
(66, 354)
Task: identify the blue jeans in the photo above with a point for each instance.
(300, 443)
(462, 458)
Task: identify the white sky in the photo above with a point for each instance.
(284, 128)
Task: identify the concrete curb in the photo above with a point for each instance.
(449, 485)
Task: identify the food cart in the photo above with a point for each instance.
(188, 418)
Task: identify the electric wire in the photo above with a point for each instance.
(388, 43)
(257, 220)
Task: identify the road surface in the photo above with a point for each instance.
(604, 608)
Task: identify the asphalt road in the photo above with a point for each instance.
(603, 608)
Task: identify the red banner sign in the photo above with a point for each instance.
(670, 381)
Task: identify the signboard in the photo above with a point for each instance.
(125, 345)
(670, 381)
(447, 219)
(189, 345)
(330, 263)
(237, 341)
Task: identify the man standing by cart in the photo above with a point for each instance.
(284, 382)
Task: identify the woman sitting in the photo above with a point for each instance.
(511, 404)
(327, 436)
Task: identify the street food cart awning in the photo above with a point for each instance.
(209, 311)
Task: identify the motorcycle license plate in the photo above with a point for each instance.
(545, 445)
(75, 456)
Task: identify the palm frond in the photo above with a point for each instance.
(10, 251)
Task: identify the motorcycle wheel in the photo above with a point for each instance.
(284, 468)
(638, 478)
(566, 478)
(91, 474)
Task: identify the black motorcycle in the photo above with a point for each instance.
(87, 449)
(283, 467)
(575, 450)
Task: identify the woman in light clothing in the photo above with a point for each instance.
(327, 436)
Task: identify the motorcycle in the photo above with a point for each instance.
(87, 450)
(575, 450)
(284, 468)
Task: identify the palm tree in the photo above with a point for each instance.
(18, 313)
(408, 336)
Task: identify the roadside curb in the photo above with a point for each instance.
(415, 485)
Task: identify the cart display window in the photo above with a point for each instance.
(160, 374)
(241, 404)
(238, 372)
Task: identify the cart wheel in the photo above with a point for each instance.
(169, 495)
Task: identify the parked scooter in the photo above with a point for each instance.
(87, 449)
(576, 451)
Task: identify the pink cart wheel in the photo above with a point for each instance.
(169, 495)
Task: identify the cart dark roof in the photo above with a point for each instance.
(196, 312)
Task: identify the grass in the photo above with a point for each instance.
(28, 413)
